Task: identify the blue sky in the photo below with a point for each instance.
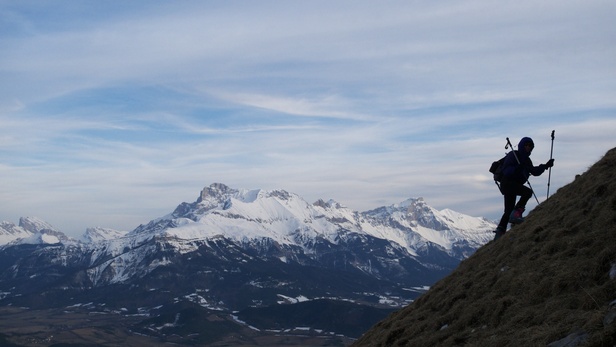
(113, 113)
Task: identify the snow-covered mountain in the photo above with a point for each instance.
(287, 219)
(97, 234)
(31, 230)
(235, 248)
(10, 232)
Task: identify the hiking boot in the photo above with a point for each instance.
(499, 232)
(516, 216)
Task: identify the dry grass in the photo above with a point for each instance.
(545, 279)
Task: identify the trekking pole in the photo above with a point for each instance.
(550, 169)
(518, 160)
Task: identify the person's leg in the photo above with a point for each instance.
(509, 206)
(525, 194)
(509, 197)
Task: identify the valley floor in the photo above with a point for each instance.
(21, 327)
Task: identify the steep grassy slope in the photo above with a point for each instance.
(551, 278)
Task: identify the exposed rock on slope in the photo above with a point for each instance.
(549, 281)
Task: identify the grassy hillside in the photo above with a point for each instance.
(549, 279)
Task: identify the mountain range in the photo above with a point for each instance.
(252, 263)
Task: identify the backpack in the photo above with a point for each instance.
(497, 169)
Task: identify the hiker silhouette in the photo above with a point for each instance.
(517, 167)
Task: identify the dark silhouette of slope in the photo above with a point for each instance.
(550, 281)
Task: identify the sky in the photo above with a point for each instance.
(112, 113)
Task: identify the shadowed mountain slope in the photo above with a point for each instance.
(550, 281)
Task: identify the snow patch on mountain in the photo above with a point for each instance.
(41, 239)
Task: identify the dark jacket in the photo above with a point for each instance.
(514, 172)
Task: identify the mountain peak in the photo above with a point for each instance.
(35, 225)
(412, 202)
(331, 203)
(42, 232)
(215, 191)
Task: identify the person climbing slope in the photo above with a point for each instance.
(517, 167)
